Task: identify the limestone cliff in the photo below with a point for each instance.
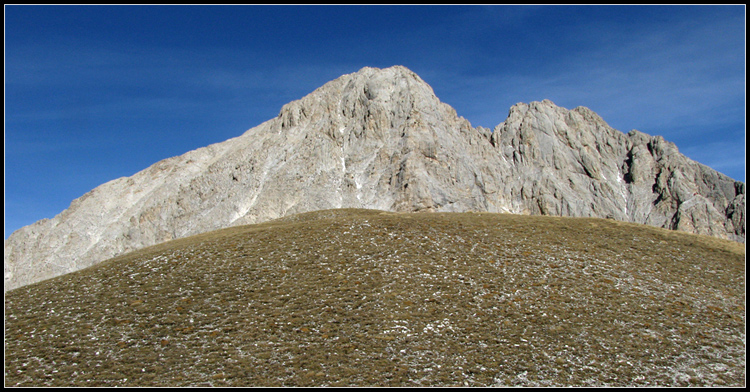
(380, 138)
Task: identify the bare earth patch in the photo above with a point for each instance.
(368, 298)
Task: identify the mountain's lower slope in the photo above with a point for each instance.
(369, 298)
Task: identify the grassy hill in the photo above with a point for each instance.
(369, 298)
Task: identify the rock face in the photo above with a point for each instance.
(381, 139)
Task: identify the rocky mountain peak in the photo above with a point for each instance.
(381, 139)
(370, 102)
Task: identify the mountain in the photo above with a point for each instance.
(381, 139)
(371, 298)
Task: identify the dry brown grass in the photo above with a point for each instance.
(368, 298)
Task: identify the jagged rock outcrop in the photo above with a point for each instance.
(571, 163)
(381, 139)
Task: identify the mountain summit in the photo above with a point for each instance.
(381, 139)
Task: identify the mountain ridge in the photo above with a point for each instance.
(380, 138)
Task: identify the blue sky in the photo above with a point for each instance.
(94, 93)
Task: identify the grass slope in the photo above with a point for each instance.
(368, 298)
